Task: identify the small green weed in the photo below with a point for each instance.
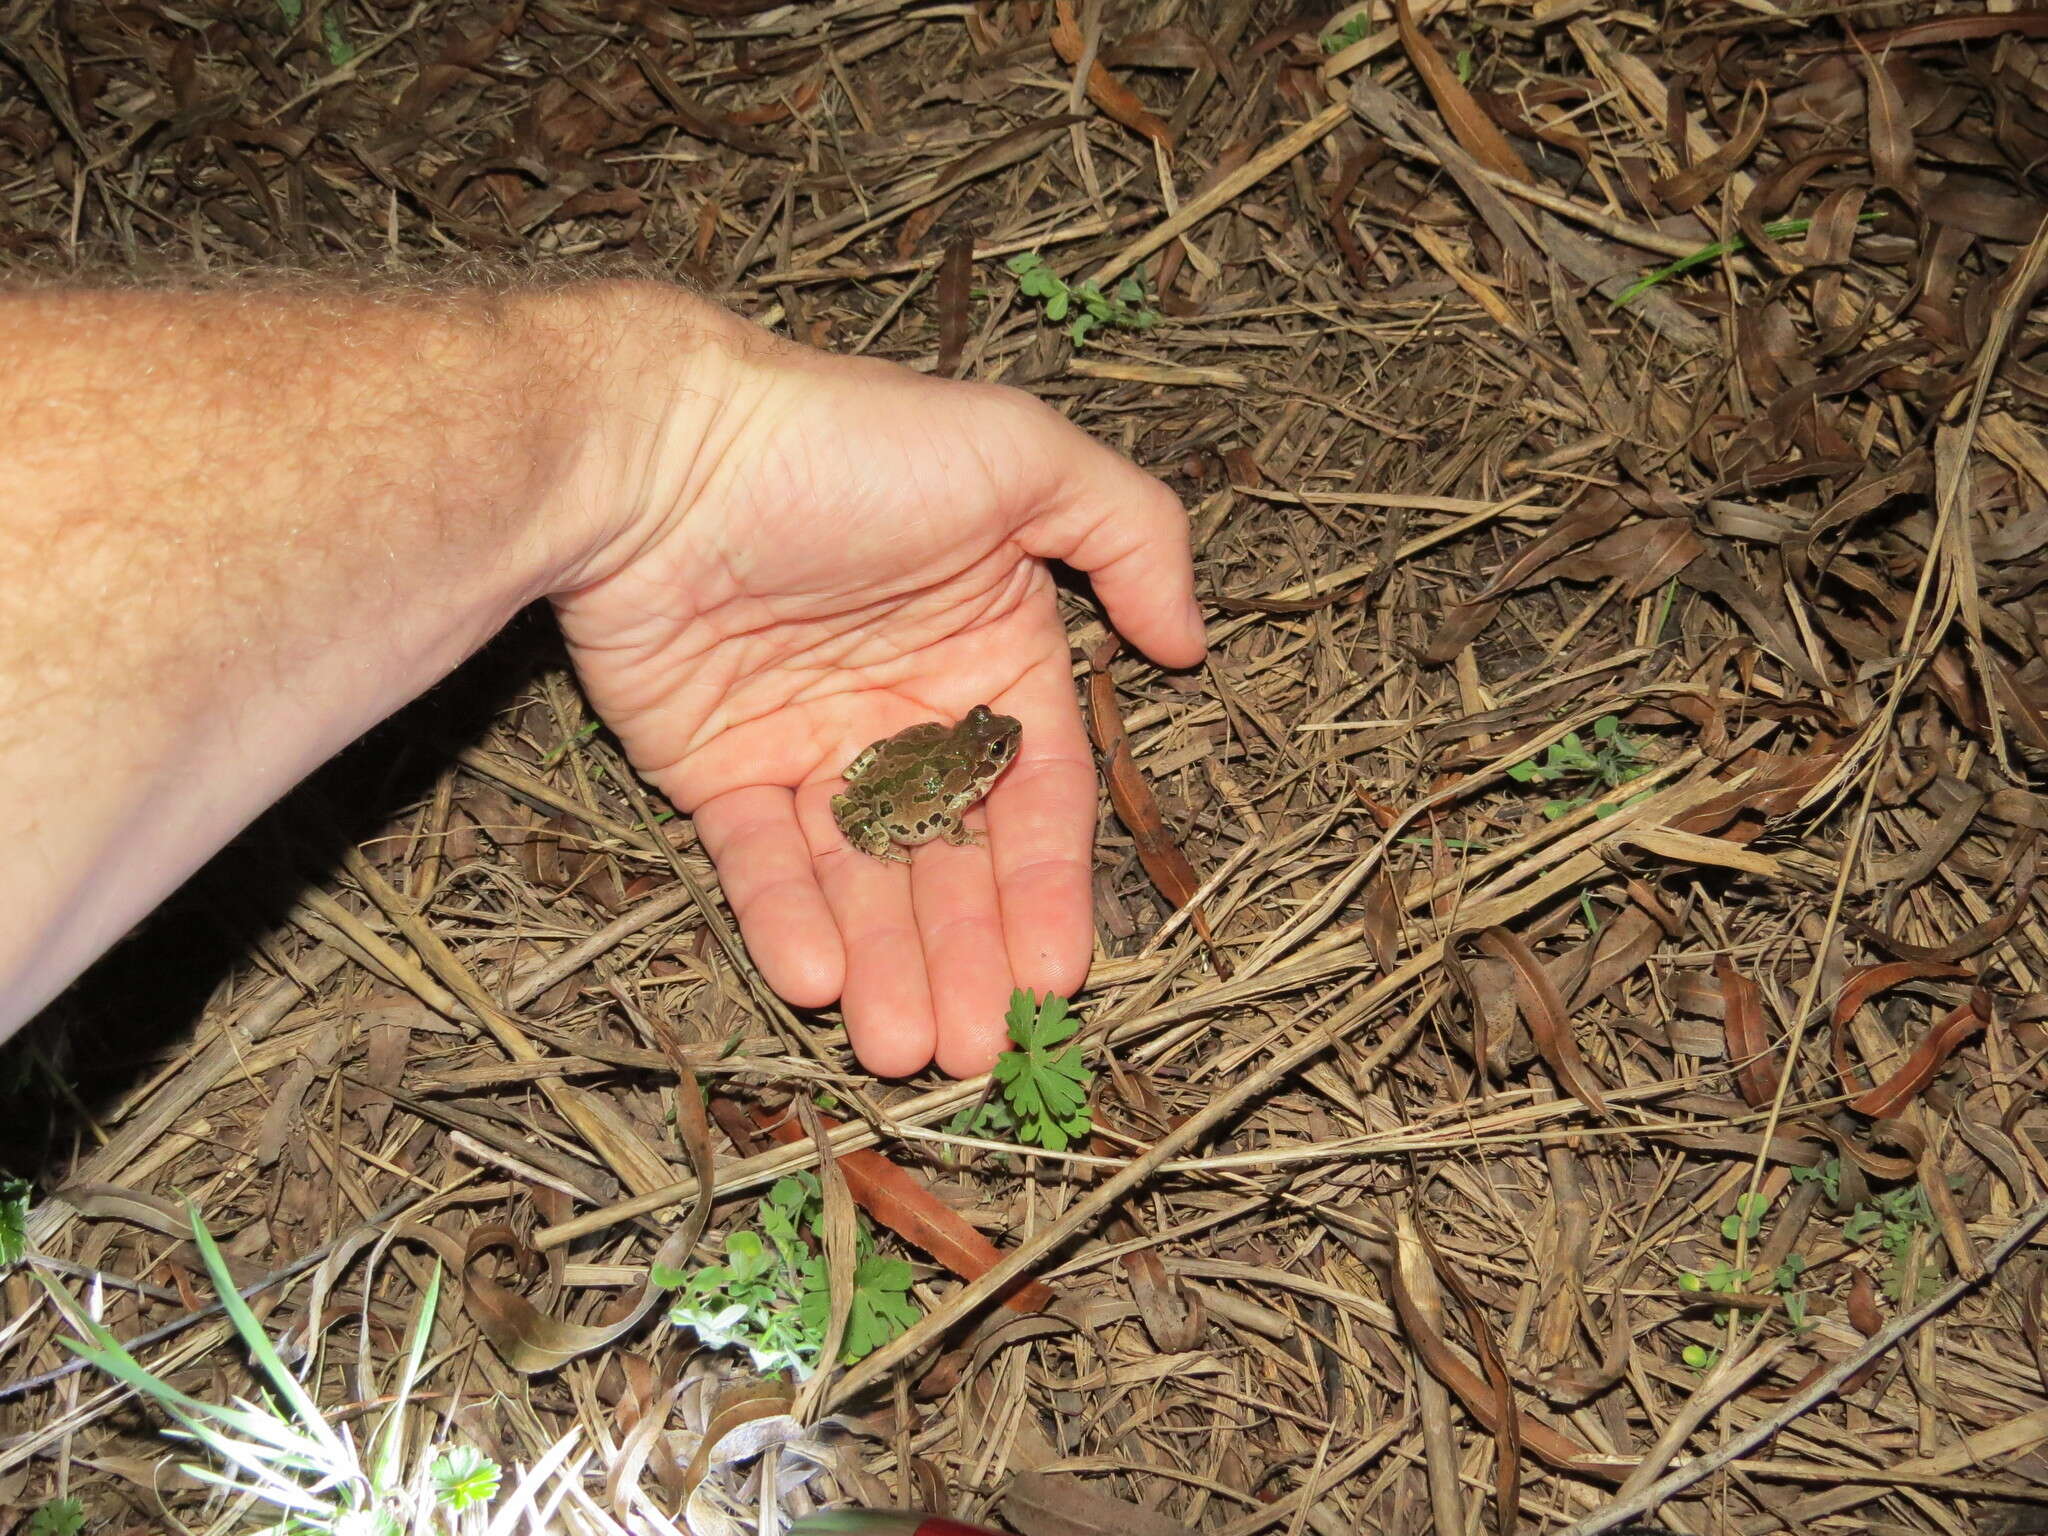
(1746, 1221)
(464, 1478)
(1044, 1099)
(1895, 1215)
(1353, 32)
(1699, 1357)
(13, 1221)
(1742, 1226)
(773, 1300)
(59, 1517)
(339, 49)
(1082, 307)
(1612, 760)
(1046, 1086)
(1830, 1175)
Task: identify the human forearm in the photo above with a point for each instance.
(237, 530)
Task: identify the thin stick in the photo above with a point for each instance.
(1239, 181)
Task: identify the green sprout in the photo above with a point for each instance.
(1083, 306)
(1044, 1098)
(773, 1298)
(1828, 1173)
(464, 1478)
(1352, 33)
(1895, 1216)
(59, 1517)
(1723, 1278)
(1612, 760)
(1784, 229)
(1746, 1223)
(13, 1221)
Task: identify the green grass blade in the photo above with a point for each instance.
(261, 1350)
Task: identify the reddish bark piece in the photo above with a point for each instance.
(1104, 89)
(895, 1198)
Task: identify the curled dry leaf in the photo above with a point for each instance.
(1890, 135)
(1892, 1095)
(1115, 98)
(1688, 188)
(1467, 120)
(1442, 1362)
(528, 1339)
(1857, 990)
(1742, 1018)
(1544, 1012)
(1771, 784)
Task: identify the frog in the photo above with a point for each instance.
(914, 786)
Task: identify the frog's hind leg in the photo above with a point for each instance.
(866, 836)
(957, 832)
(863, 760)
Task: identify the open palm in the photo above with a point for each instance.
(838, 549)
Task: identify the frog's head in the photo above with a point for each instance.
(992, 740)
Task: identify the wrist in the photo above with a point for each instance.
(649, 372)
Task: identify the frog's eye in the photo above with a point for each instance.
(1002, 749)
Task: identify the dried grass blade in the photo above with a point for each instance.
(1056, 1504)
(841, 1236)
(1479, 1400)
(1507, 1487)
(956, 273)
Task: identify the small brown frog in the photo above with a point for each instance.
(912, 787)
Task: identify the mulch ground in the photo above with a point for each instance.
(1612, 995)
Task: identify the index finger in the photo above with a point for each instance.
(1105, 516)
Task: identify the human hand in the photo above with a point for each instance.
(820, 551)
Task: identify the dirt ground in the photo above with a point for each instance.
(1606, 1044)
